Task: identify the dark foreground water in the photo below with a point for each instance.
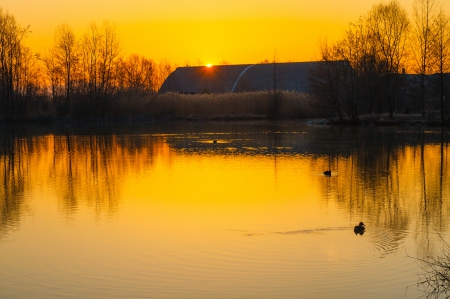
(162, 211)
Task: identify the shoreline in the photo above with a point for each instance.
(416, 120)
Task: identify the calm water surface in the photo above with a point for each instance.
(162, 211)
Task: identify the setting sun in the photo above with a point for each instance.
(209, 65)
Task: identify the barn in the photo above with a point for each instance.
(292, 76)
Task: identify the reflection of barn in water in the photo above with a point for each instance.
(293, 76)
(372, 148)
(259, 138)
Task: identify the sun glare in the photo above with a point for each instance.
(209, 65)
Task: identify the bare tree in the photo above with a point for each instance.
(361, 71)
(329, 83)
(358, 49)
(11, 48)
(54, 75)
(66, 60)
(90, 48)
(349, 79)
(424, 16)
(138, 74)
(389, 26)
(108, 60)
(29, 79)
(100, 49)
(165, 68)
(440, 54)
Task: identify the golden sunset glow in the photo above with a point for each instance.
(239, 32)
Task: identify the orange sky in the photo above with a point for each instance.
(200, 31)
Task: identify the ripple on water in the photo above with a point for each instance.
(339, 257)
(377, 242)
(386, 241)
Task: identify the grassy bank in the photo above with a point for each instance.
(141, 107)
(134, 107)
(248, 105)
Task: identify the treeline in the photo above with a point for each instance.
(79, 77)
(387, 62)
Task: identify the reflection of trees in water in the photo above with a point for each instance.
(368, 182)
(13, 173)
(81, 168)
(89, 167)
(393, 177)
(434, 195)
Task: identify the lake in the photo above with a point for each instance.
(220, 210)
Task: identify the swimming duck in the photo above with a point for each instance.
(214, 141)
(360, 228)
(327, 172)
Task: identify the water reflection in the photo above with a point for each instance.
(378, 169)
(388, 175)
(14, 169)
(260, 180)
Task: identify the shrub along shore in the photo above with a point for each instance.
(246, 105)
(176, 106)
(261, 105)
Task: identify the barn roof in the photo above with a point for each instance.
(293, 76)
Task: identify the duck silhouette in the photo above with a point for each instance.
(359, 229)
(214, 141)
(327, 172)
